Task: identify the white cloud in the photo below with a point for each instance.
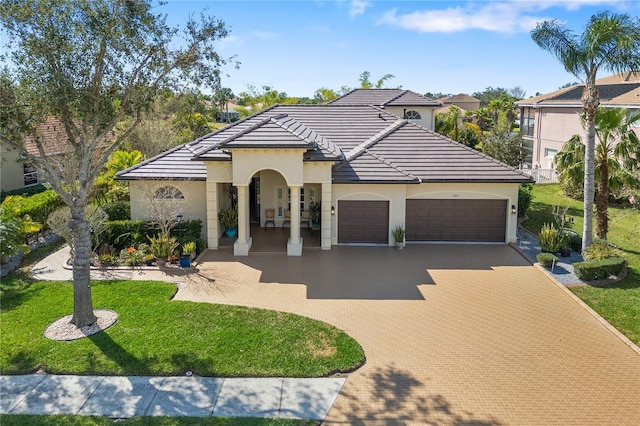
(358, 7)
(497, 16)
(264, 35)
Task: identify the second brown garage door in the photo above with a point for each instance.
(456, 220)
(363, 222)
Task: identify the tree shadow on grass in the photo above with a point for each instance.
(398, 397)
(116, 353)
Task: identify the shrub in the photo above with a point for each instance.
(525, 195)
(132, 257)
(551, 240)
(108, 260)
(118, 210)
(575, 241)
(25, 191)
(546, 259)
(599, 269)
(38, 207)
(600, 250)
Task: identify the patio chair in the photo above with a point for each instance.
(287, 218)
(270, 217)
(304, 219)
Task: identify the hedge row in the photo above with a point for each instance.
(25, 191)
(599, 269)
(546, 259)
(121, 234)
(38, 206)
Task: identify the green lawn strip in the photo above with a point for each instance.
(157, 336)
(55, 420)
(617, 303)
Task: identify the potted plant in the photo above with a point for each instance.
(229, 219)
(189, 248)
(162, 247)
(398, 236)
(149, 258)
(314, 214)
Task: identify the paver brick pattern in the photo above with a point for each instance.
(453, 334)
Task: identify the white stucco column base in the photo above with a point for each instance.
(242, 248)
(294, 249)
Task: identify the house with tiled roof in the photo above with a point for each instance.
(462, 101)
(548, 121)
(367, 164)
(18, 173)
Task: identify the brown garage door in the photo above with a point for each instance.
(456, 220)
(363, 222)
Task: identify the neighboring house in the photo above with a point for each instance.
(368, 167)
(18, 173)
(463, 101)
(548, 121)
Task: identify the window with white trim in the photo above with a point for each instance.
(412, 115)
(168, 193)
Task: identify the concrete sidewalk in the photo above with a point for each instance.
(124, 397)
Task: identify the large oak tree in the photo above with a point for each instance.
(92, 65)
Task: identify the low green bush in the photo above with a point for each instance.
(25, 191)
(525, 195)
(599, 269)
(546, 259)
(38, 206)
(118, 210)
(575, 240)
(122, 234)
(600, 250)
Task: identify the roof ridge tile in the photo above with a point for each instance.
(356, 151)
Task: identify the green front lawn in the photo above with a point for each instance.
(20, 420)
(617, 303)
(157, 336)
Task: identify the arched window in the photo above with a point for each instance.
(412, 115)
(168, 193)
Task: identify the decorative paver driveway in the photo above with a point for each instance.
(453, 334)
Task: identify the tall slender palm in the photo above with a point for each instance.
(610, 42)
(616, 156)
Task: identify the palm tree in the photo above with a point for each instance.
(610, 42)
(616, 156)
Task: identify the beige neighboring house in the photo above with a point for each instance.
(461, 100)
(548, 121)
(370, 159)
(18, 173)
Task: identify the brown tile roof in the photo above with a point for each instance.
(384, 97)
(53, 136)
(366, 143)
(621, 90)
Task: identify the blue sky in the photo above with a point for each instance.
(430, 46)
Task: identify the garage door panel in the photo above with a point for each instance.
(456, 220)
(363, 222)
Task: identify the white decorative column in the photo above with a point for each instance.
(243, 243)
(294, 245)
(212, 215)
(325, 217)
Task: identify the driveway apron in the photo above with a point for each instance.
(453, 334)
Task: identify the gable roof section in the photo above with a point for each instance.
(174, 164)
(619, 90)
(430, 157)
(383, 97)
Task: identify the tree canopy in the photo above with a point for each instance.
(92, 64)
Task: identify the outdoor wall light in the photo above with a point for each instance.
(333, 210)
(179, 217)
(513, 209)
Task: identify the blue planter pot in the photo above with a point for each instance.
(230, 232)
(185, 261)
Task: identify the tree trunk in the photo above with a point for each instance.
(82, 304)
(602, 201)
(590, 101)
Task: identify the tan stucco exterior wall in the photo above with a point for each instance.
(192, 207)
(12, 175)
(427, 116)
